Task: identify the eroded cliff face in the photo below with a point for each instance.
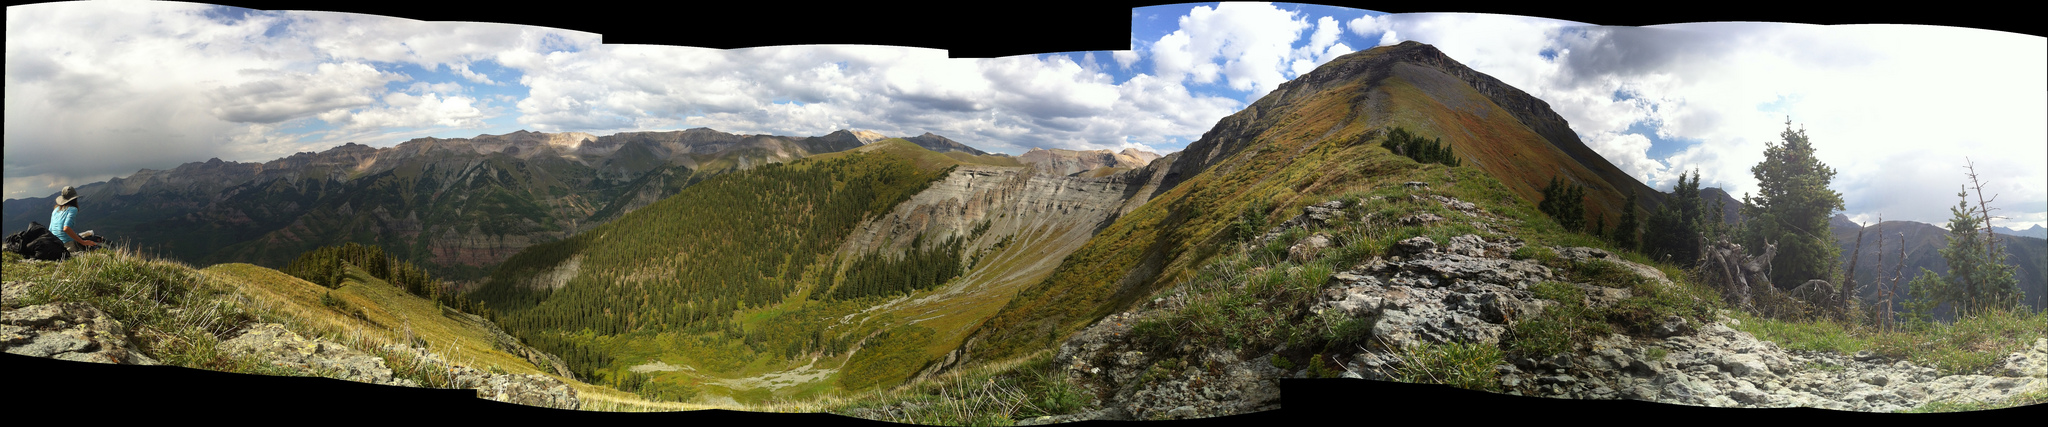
(1031, 205)
(1034, 220)
(476, 248)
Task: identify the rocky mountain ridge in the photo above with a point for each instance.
(1289, 144)
(934, 142)
(1468, 290)
(2036, 231)
(1071, 162)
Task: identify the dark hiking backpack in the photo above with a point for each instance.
(47, 248)
(36, 243)
(18, 242)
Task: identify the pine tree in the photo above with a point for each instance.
(1550, 199)
(1673, 232)
(1625, 232)
(1575, 208)
(1599, 226)
(1565, 203)
(1791, 210)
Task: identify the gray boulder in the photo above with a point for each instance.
(1309, 247)
(529, 389)
(1414, 246)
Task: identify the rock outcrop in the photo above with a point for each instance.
(67, 331)
(280, 346)
(523, 389)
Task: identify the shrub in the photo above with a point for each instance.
(1541, 336)
(1533, 252)
(1250, 222)
(1467, 366)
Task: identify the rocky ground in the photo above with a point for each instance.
(80, 332)
(1469, 290)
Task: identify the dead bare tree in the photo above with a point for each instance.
(1983, 208)
(1892, 286)
(1849, 287)
(1732, 271)
(1883, 292)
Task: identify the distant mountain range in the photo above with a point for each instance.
(1923, 243)
(458, 206)
(2037, 232)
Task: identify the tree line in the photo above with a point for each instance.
(1425, 150)
(327, 266)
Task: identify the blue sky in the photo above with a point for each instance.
(157, 84)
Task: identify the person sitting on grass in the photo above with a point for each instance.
(60, 223)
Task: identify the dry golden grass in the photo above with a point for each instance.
(388, 314)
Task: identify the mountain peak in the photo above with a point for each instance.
(936, 142)
(867, 136)
(1068, 162)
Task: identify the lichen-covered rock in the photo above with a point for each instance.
(2032, 362)
(68, 331)
(1414, 246)
(1424, 218)
(12, 292)
(529, 389)
(1144, 385)
(280, 346)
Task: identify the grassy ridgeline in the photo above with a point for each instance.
(179, 315)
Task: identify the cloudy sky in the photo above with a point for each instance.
(100, 89)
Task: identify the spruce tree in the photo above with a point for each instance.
(1564, 203)
(1625, 232)
(1574, 208)
(1551, 198)
(1978, 278)
(1673, 232)
(1599, 226)
(1791, 210)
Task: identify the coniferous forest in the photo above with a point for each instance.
(687, 263)
(921, 267)
(326, 266)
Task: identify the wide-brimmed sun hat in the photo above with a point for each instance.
(69, 194)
